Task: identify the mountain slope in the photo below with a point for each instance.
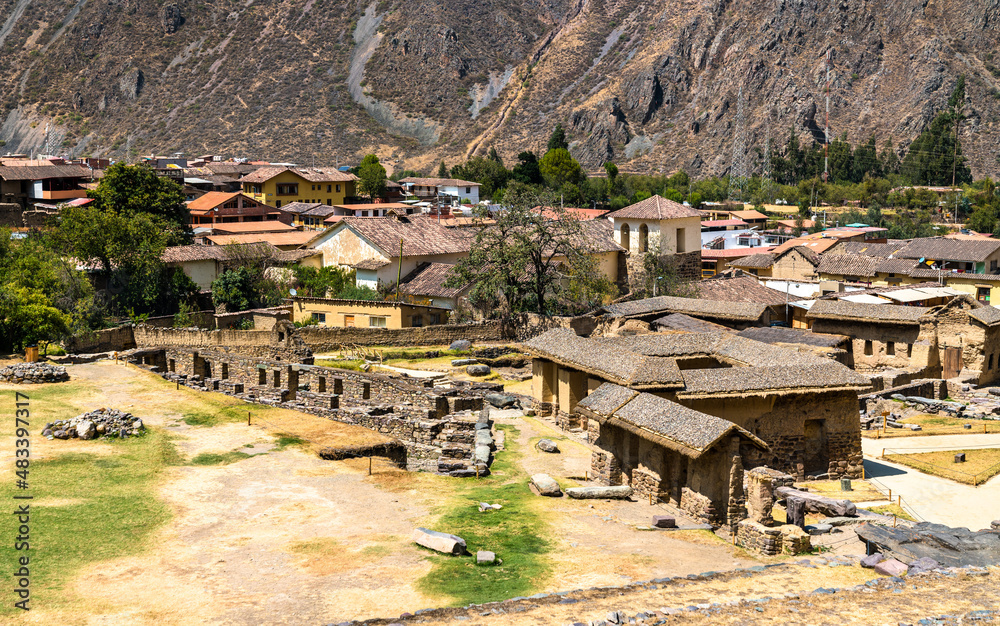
(650, 85)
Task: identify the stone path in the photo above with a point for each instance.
(933, 498)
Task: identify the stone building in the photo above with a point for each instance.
(664, 227)
(668, 451)
(804, 407)
(736, 315)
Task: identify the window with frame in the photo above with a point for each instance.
(417, 321)
(377, 322)
(890, 348)
(338, 188)
(869, 349)
(328, 188)
(288, 189)
(319, 317)
(468, 190)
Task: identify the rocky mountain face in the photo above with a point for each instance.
(654, 86)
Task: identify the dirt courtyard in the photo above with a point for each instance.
(281, 536)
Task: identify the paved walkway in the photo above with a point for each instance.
(936, 499)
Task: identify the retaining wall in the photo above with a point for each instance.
(330, 339)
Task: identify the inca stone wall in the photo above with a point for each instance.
(329, 339)
(772, 541)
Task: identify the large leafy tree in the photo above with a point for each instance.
(526, 171)
(371, 177)
(557, 140)
(249, 282)
(529, 262)
(489, 173)
(131, 190)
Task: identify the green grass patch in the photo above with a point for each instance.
(111, 510)
(892, 509)
(224, 415)
(343, 364)
(285, 441)
(215, 458)
(515, 533)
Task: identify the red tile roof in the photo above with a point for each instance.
(656, 208)
(311, 174)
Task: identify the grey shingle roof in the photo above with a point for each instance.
(793, 335)
(660, 419)
(743, 288)
(896, 266)
(429, 280)
(748, 380)
(712, 309)
(754, 261)
(858, 312)
(623, 366)
(679, 321)
(848, 265)
(989, 315)
(944, 249)
(656, 208)
(882, 250)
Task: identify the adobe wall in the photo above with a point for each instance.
(108, 340)
(331, 339)
(927, 388)
(831, 445)
(281, 343)
(914, 347)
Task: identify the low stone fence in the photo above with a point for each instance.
(925, 388)
(772, 541)
(330, 339)
(394, 451)
(109, 340)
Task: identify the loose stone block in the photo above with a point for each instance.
(664, 521)
(485, 557)
(891, 567)
(438, 541)
(546, 485)
(619, 492)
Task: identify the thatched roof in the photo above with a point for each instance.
(858, 312)
(712, 309)
(988, 315)
(801, 336)
(606, 361)
(754, 261)
(661, 421)
(780, 378)
(686, 323)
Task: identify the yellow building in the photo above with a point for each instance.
(366, 313)
(277, 186)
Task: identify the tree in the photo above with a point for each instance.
(495, 156)
(612, 171)
(442, 170)
(323, 282)
(492, 175)
(527, 261)
(130, 190)
(371, 177)
(866, 162)
(660, 278)
(558, 168)
(526, 171)
(557, 140)
(935, 157)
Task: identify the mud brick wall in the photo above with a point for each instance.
(330, 339)
(281, 344)
(109, 340)
(645, 483)
(698, 507)
(760, 484)
(688, 265)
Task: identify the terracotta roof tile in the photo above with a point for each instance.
(754, 261)
(945, 249)
(656, 208)
(311, 174)
(429, 280)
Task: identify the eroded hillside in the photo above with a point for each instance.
(651, 85)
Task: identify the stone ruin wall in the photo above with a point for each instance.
(432, 424)
(331, 339)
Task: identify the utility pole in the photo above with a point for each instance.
(738, 170)
(826, 130)
(954, 166)
(767, 163)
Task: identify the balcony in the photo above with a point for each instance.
(61, 194)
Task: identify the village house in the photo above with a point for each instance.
(435, 189)
(663, 227)
(803, 407)
(795, 263)
(715, 262)
(960, 338)
(667, 451)
(427, 283)
(203, 264)
(288, 240)
(29, 182)
(365, 313)
(216, 207)
(278, 186)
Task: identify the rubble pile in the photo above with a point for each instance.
(103, 423)
(33, 373)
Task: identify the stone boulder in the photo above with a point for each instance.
(950, 547)
(664, 521)
(619, 492)
(545, 485)
(872, 560)
(86, 429)
(924, 564)
(891, 567)
(503, 401)
(460, 345)
(485, 557)
(478, 370)
(819, 504)
(547, 445)
(440, 542)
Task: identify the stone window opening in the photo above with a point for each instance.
(366, 391)
(890, 349)
(338, 386)
(172, 365)
(909, 350)
(225, 371)
(281, 336)
(261, 377)
(868, 347)
(322, 384)
(990, 366)
(626, 237)
(681, 244)
(643, 238)
(276, 381)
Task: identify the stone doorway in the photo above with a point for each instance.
(815, 456)
(952, 362)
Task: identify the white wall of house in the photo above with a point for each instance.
(388, 273)
(342, 246)
(201, 272)
(471, 192)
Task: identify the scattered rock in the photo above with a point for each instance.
(485, 557)
(478, 370)
(547, 445)
(486, 506)
(619, 492)
(462, 362)
(102, 422)
(460, 344)
(440, 542)
(872, 560)
(923, 564)
(33, 373)
(819, 504)
(891, 567)
(664, 521)
(950, 547)
(170, 18)
(546, 485)
(818, 529)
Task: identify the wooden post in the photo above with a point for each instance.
(248, 418)
(899, 500)
(369, 466)
(178, 381)
(893, 520)
(890, 495)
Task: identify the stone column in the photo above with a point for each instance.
(543, 380)
(572, 389)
